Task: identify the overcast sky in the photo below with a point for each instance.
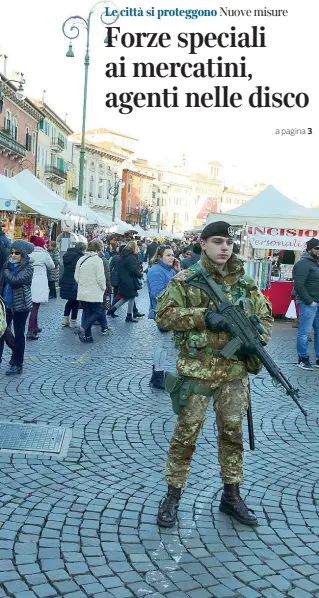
(242, 139)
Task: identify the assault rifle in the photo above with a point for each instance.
(244, 330)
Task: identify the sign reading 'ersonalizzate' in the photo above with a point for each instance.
(264, 237)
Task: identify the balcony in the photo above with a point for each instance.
(55, 175)
(10, 147)
(73, 191)
(57, 145)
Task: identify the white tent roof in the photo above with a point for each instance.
(37, 196)
(12, 189)
(270, 208)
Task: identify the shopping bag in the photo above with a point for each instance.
(291, 313)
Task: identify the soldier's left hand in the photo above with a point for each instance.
(248, 349)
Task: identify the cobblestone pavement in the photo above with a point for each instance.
(85, 525)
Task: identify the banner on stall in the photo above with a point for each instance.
(8, 205)
(265, 237)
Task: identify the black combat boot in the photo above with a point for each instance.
(157, 379)
(167, 512)
(232, 504)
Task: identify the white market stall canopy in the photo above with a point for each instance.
(37, 196)
(33, 195)
(8, 201)
(270, 208)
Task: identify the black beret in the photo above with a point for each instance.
(218, 229)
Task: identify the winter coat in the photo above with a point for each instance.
(106, 273)
(89, 274)
(114, 269)
(150, 251)
(53, 275)
(20, 281)
(306, 278)
(4, 250)
(187, 262)
(4, 239)
(158, 278)
(129, 275)
(68, 286)
(42, 264)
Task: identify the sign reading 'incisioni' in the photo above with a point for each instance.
(264, 237)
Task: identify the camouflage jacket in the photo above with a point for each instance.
(182, 308)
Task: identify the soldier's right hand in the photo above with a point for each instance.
(216, 322)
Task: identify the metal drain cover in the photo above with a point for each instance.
(31, 437)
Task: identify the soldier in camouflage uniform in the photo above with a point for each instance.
(202, 332)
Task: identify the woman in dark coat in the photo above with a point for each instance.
(15, 288)
(68, 286)
(114, 270)
(130, 280)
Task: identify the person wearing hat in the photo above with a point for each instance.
(306, 287)
(200, 334)
(15, 289)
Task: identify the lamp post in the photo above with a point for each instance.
(71, 30)
(20, 93)
(115, 185)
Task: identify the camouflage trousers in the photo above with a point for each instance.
(230, 402)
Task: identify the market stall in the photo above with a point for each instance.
(272, 231)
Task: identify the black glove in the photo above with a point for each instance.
(247, 349)
(216, 322)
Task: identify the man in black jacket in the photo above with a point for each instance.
(306, 286)
(193, 258)
(150, 251)
(4, 248)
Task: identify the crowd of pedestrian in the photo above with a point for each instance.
(95, 277)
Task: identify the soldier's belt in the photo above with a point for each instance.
(181, 388)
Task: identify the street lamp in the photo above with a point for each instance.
(20, 93)
(115, 185)
(71, 30)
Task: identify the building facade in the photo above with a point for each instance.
(102, 170)
(54, 153)
(207, 192)
(137, 194)
(177, 209)
(19, 120)
(233, 197)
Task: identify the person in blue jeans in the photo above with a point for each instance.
(306, 286)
